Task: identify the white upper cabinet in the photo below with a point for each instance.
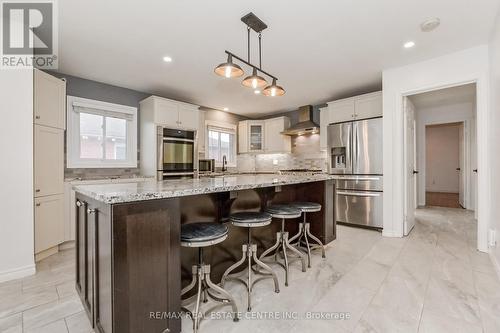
(349, 109)
(169, 113)
(49, 100)
(264, 136)
(274, 140)
(368, 106)
(48, 161)
(342, 110)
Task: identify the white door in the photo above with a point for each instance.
(461, 166)
(410, 164)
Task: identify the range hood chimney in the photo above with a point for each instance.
(305, 124)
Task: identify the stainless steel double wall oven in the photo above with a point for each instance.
(355, 155)
(176, 152)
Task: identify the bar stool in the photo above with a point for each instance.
(305, 229)
(250, 220)
(283, 212)
(201, 235)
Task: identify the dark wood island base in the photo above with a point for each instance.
(130, 267)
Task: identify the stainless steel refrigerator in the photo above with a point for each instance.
(355, 156)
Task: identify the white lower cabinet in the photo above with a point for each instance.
(49, 222)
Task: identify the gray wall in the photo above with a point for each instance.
(79, 87)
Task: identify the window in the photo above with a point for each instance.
(221, 140)
(101, 135)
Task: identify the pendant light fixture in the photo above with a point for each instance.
(273, 90)
(254, 81)
(229, 69)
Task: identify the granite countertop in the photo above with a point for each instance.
(150, 190)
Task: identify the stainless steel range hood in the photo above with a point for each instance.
(305, 124)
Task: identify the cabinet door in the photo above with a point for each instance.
(341, 111)
(368, 106)
(49, 100)
(48, 161)
(49, 222)
(256, 136)
(201, 132)
(188, 117)
(166, 113)
(274, 140)
(243, 137)
(324, 120)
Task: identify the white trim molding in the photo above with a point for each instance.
(466, 66)
(17, 273)
(76, 105)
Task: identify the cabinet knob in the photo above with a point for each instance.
(90, 211)
(78, 203)
(37, 117)
(37, 190)
(38, 204)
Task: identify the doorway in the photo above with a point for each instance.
(444, 176)
(440, 150)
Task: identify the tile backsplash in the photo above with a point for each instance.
(305, 154)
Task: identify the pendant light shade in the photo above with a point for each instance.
(273, 90)
(254, 81)
(229, 69)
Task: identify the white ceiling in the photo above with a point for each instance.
(320, 50)
(442, 97)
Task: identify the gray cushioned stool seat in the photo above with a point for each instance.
(283, 211)
(203, 232)
(250, 219)
(307, 207)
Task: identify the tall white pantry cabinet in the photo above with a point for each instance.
(49, 113)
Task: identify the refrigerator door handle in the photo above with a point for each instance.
(360, 194)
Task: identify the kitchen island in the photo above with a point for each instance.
(130, 266)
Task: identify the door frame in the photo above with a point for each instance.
(467, 151)
(482, 207)
(406, 230)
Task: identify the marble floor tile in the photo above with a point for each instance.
(50, 312)
(14, 303)
(433, 322)
(12, 324)
(58, 326)
(78, 323)
(434, 280)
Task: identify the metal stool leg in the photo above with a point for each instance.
(235, 265)
(266, 268)
(314, 238)
(294, 250)
(196, 318)
(227, 296)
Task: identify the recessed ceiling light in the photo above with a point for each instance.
(430, 24)
(256, 92)
(226, 109)
(167, 59)
(409, 45)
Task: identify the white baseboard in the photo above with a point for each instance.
(67, 245)
(390, 233)
(17, 273)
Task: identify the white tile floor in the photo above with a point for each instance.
(432, 281)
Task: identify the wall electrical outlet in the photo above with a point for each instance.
(492, 238)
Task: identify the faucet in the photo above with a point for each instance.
(224, 163)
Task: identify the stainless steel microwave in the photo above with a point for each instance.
(206, 165)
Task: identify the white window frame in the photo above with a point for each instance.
(230, 128)
(73, 133)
